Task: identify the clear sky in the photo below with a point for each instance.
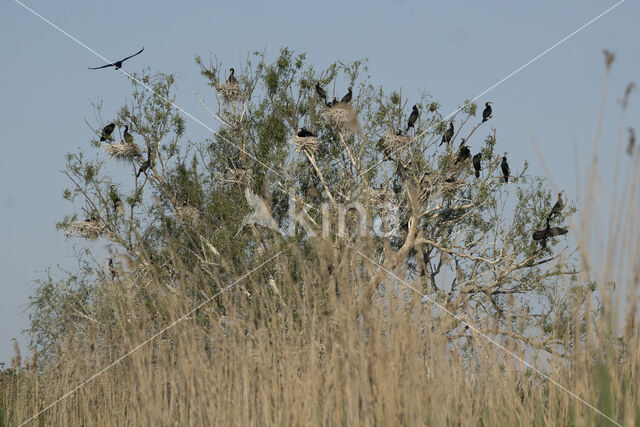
(453, 49)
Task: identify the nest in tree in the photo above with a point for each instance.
(89, 229)
(238, 176)
(382, 198)
(188, 214)
(342, 116)
(123, 150)
(392, 144)
(230, 91)
(308, 144)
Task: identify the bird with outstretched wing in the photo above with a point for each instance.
(117, 64)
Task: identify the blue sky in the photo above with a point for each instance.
(454, 50)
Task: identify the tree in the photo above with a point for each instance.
(465, 242)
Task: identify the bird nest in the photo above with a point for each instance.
(230, 91)
(342, 116)
(188, 214)
(393, 143)
(238, 176)
(123, 150)
(308, 144)
(382, 199)
(87, 229)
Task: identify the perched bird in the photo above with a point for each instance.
(334, 102)
(347, 98)
(127, 136)
(112, 269)
(399, 132)
(632, 141)
(464, 153)
(118, 64)
(107, 131)
(542, 235)
(476, 164)
(505, 169)
(303, 133)
(143, 168)
(232, 78)
(487, 113)
(321, 92)
(558, 207)
(118, 206)
(413, 117)
(448, 134)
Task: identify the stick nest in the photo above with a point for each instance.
(308, 144)
(238, 176)
(342, 116)
(88, 229)
(394, 144)
(230, 92)
(123, 151)
(382, 198)
(188, 214)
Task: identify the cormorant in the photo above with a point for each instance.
(232, 78)
(303, 133)
(632, 141)
(464, 152)
(127, 136)
(476, 164)
(558, 207)
(143, 168)
(448, 134)
(487, 113)
(399, 132)
(413, 117)
(118, 64)
(347, 98)
(334, 102)
(505, 169)
(107, 131)
(321, 93)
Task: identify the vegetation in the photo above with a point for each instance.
(347, 226)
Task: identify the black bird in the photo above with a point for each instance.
(487, 113)
(505, 169)
(107, 131)
(334, 102)
(413, 117)
(476, 164)
(143, 168)
(558, 207)
(542, 235)
(118, 64)
(632, 141)
(321, 93)
(557, 231)
(399, 132)
(347, 98)
(464, 152)
(112, 269)
(303, 133)
(448, 134)
(232, 78)
(127, 136)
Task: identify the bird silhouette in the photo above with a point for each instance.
(476, 164)
(487, 113)
(505, 168)
(143, 168)
(321, 92)
(128, 138)
(107, 131)
(448, 134)
(304, 132)
(347, 98)
(413, 117)
(117, 64)
(558, 207)
(464, 153)
(232, 77)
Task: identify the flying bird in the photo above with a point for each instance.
(232, 78)
(321, 92)
(127, 136)
(448, 134)
(107, 131)
(558, 207)
(413, 117)
(487, 113)
(304, 132)
(505, 169)
(118, 64)
(476, 164)
(347, 98)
